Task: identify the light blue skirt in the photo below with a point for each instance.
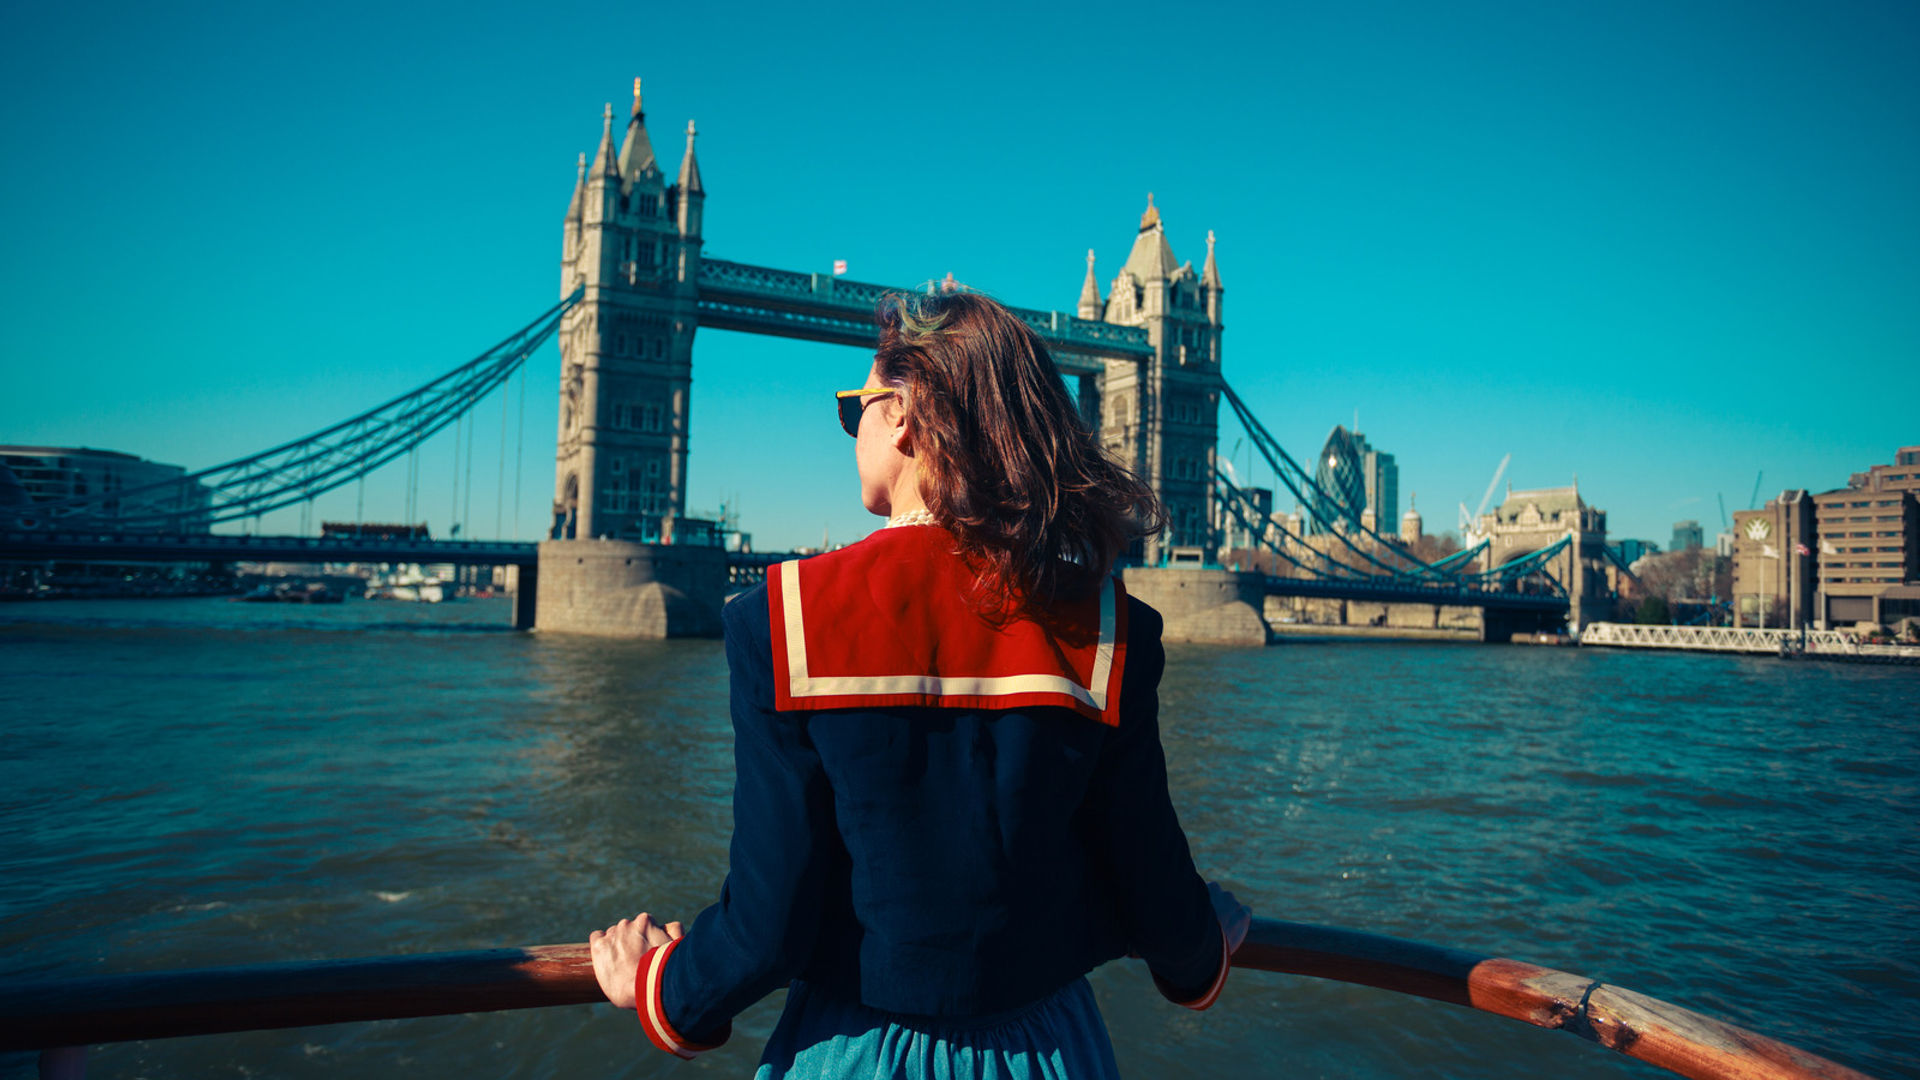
(1059, 1037)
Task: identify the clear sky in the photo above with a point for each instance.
(1660, 245)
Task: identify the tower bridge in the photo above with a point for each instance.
(1143, 360)
(1143, 356)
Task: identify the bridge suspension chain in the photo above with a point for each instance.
(312, 466)
(1287, 470)
(1450, 571)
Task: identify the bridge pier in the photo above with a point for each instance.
(1214, 607)
(526, 594)
(1498, 625)
(621, 588)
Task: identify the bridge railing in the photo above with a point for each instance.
(60, 1017)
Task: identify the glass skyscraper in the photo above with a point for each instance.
(1354, 478)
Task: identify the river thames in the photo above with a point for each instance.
(196, 782)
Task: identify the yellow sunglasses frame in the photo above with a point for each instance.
(849, 419)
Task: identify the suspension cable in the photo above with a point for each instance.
(519, 452)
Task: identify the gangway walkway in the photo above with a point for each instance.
(1829, 644)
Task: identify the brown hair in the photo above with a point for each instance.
(1006, 462)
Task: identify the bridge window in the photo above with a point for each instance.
(653, 468)
(650, 418)
(619, 466)
(659, 348)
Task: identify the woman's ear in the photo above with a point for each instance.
(902, 433)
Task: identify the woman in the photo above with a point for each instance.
(951, 801)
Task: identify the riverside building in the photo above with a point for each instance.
(54, 473)
(1869, 544)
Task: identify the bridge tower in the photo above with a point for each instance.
(1161, 414)
(1528, 521)
(632, 240)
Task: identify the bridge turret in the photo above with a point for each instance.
(1090, 307)
(1210, 284)
(689, 196)
(570, 232)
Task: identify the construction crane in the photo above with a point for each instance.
(1725, 523)
(1470, 523)
(1753, 500)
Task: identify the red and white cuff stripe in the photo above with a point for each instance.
(1212, 995)
(653, 1011)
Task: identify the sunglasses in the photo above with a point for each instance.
(853, 403)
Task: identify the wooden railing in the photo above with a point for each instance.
(59, 1016)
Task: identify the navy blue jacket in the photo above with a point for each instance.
(938, 862)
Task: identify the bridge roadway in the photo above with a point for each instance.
(29, 546)
(821, 307)
(1411, 593)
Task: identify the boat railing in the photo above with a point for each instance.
(62, 1018)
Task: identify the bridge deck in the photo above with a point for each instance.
(821, 307)
(1410, 593)
(214, 547)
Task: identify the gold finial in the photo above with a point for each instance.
(636, 95)
(606, 113)
(1152, 217)
(1209, 239)
(582, 167)
(1089, 260)
(690, 131)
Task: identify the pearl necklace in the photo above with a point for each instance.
(911, 517)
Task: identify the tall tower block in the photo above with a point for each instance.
(1161, 415)
(632, 239)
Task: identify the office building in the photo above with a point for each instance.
(119, 485)
(1869, 544)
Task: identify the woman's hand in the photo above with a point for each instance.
(1235, 917)
(617, 951)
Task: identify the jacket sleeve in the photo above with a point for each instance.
(1163, 904)
(761, 932)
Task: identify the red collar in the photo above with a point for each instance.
(887, 622)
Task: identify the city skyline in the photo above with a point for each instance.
(1661, 251)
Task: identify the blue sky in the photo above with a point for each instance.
(1663, 246)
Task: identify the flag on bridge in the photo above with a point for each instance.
(1802, 549)
(839, 267)
(1768, 551)
(1827, 548)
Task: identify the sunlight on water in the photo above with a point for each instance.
(192, 782)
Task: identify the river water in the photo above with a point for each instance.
(195, 782)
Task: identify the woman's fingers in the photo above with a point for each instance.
(616, 955)
(676, 931)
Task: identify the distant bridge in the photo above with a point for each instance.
(214, 547)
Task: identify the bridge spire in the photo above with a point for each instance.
(575, 207)
(636, 154)
(1152, 257)
(1210, 273)
(1089, 292)
(603, 157)
(690, 168)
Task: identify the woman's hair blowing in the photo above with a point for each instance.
(1006, 462)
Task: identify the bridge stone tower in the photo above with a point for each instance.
(1161, 415)
(1527, 521)
(632, 240)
